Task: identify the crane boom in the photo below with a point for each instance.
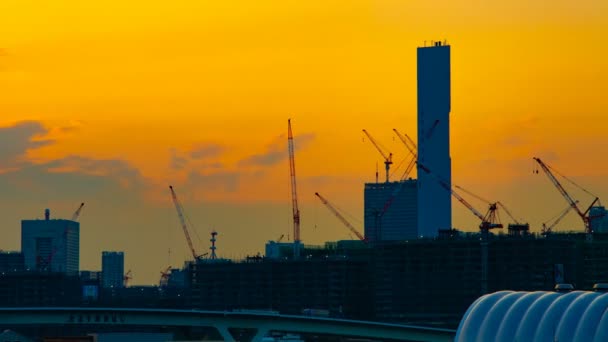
(413, 150)
(490, 203)
(508, 212)
(340, 217)
(454, 193)
(487, 221)
(548, 229)
(77, 212)
(569, 199)
(407, 141)
(472, 194)
(126, 278)
(388, 158)
(409, 168)
(294, 193)
(182, 220)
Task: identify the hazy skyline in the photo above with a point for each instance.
(110, 103)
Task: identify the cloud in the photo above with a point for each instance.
(73, 177)
(72, 126)
(55, 177)
(121, 171)
(177, 162)
(218, 181)
(16, 140)
(204, 151)
(277, 151)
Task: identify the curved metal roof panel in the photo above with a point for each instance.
(536, 316)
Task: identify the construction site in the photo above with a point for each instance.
(408, 264)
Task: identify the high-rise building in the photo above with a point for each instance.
(51, 244)
(434, 105)
(112, 269)
(400, 219)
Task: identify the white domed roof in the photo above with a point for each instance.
(536, 316)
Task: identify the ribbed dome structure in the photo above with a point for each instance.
(508, 316)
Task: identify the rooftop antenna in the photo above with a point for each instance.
(213, 248)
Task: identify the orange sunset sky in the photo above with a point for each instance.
(109, 102)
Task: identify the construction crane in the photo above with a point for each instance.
(411, 146)
(515, 228)
(77, 212)
(340, 217)
(164, 277)
(388, 158)
(546, 230)
(44, 263)
(126, 278)
(488, 221)
(179, 208)
(574, 204)
(294, 193)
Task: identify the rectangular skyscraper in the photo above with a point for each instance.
(112, 269)
(399, 221)
(434, 105)
(51, 245)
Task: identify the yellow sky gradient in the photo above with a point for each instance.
(147, 81)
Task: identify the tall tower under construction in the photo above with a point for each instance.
(434, 105)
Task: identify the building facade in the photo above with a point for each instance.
(339, 286)
(391, 211)
(598, 219)
(434, 105)
(51, 245)
(112, 269)
(11, 262)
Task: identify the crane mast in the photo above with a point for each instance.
(294, 194)
(182, 220)
(569, 199)
(388, 159)
(340, 217)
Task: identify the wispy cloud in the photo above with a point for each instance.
(208, 150)
(177, 162)
(16, 140)
(203, 155)
(127, 175)
(57, 174)
(71, 126)
(216, 181)
(277, 151)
